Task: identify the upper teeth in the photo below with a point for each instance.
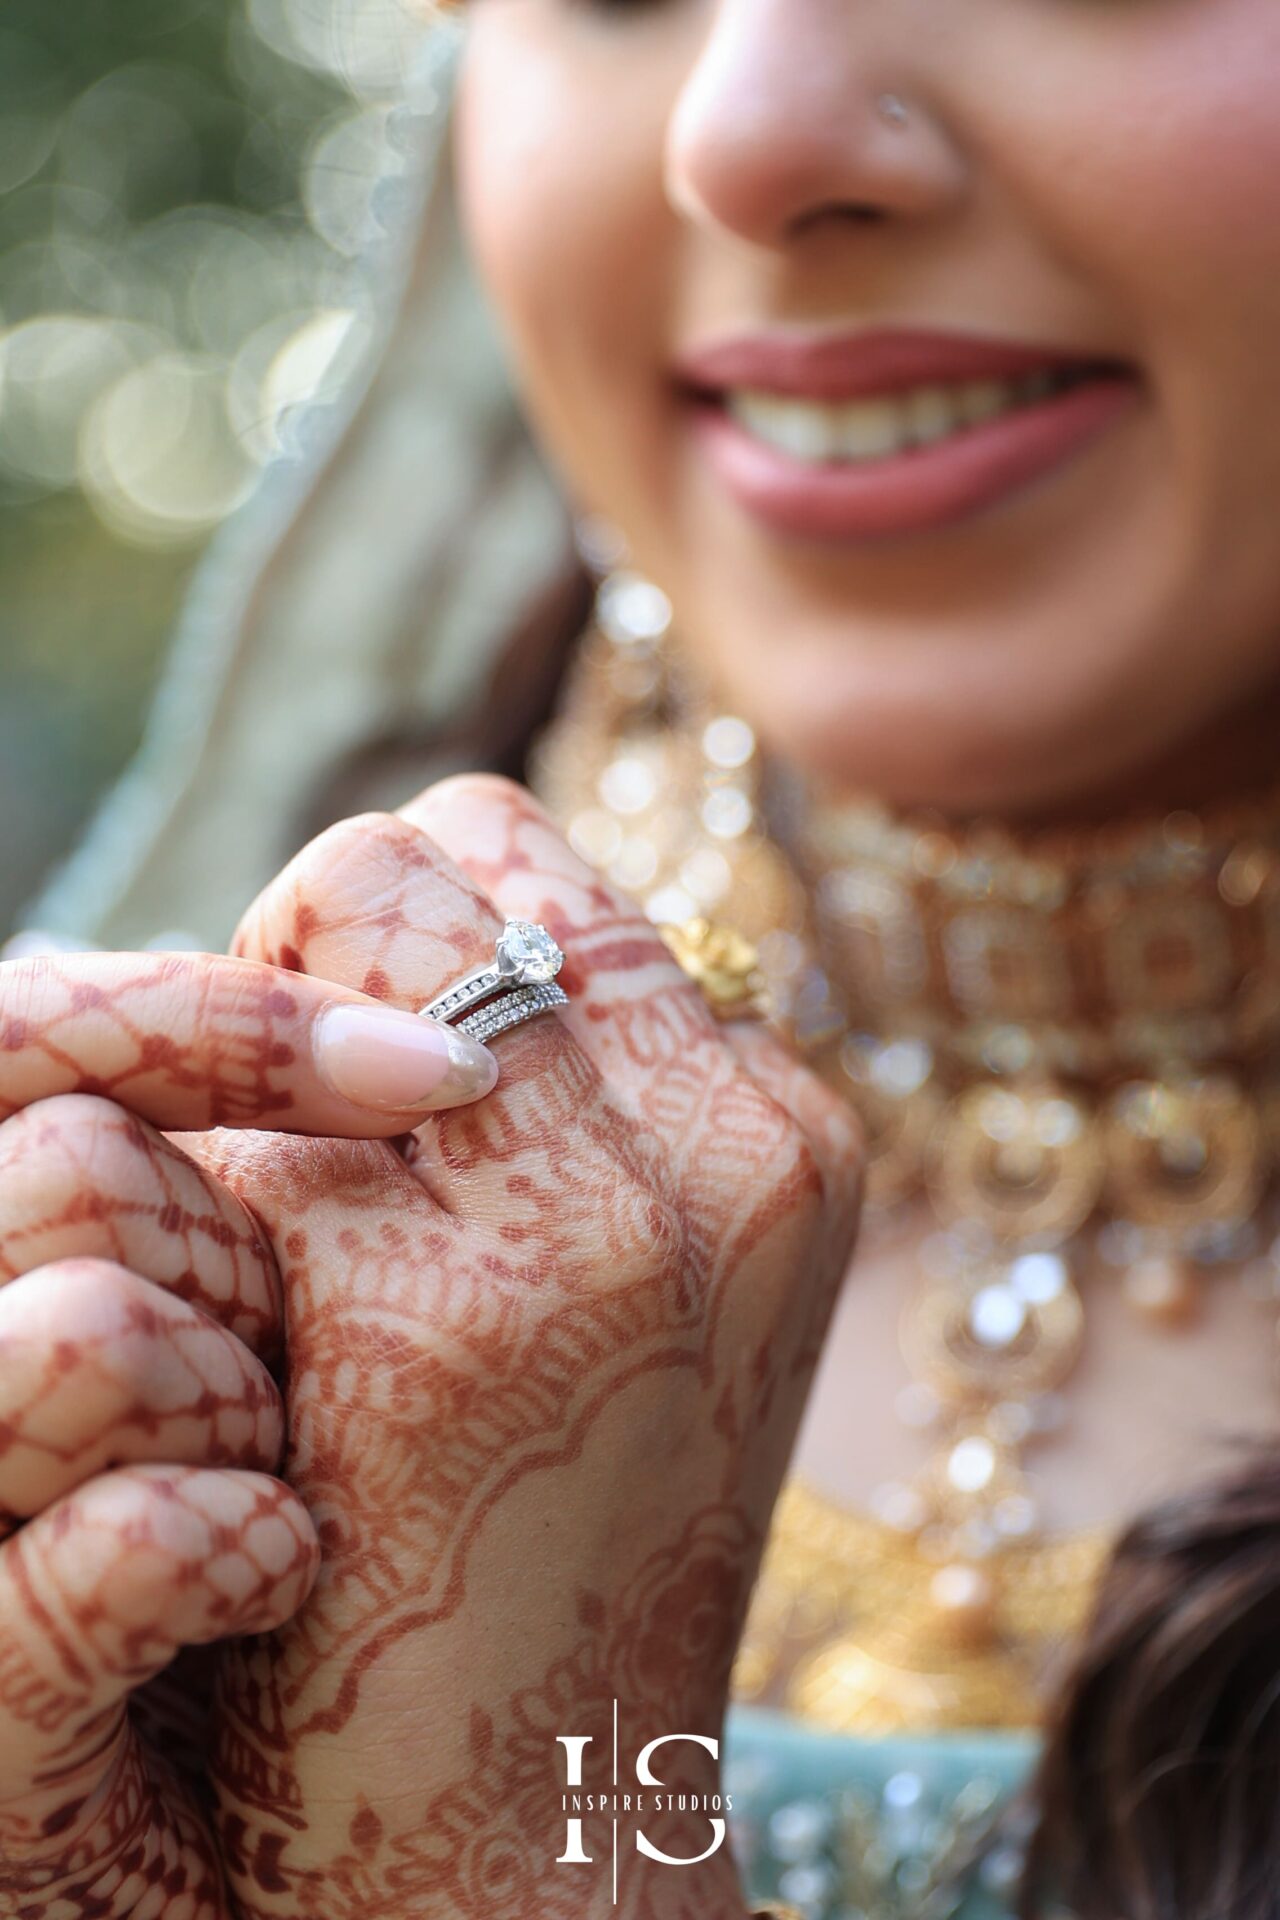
(869, 429)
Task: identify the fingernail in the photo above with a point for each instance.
(399, 1062)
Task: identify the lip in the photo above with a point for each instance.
(858, 366)
(921, 489)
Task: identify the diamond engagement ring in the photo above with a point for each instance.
(519, 982)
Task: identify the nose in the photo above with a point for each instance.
(796, 111)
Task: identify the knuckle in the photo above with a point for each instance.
(848, 1128)
(252, 1004)
(844, 1139)
(353, 854)
(145, 1506)
(648, 1234)
(361, 859)
(781, 1136)
(810, 1159)
(832, 1135)
(77, 1116)
(809, 1182)
(771, 1156)
(79, 1135)
(488, 787)
(27, 988)
(71, 1303)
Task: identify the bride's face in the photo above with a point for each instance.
(945, 583)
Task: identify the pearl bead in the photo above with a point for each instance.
(964, 1598)
(1162, 1289)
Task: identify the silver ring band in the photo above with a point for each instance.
(466, 993)
(511, 1009)
(519, 982)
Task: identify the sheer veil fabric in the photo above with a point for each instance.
(366, 587)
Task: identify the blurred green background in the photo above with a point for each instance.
(187, 194)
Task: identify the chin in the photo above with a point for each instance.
(947, 761)
(1017, 713)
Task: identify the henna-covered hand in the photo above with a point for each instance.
(191, 1040)
(139, 1420)
(545, 1361)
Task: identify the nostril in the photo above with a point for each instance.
(862, 213)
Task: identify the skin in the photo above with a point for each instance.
(140, 1425)
(1100, 174)
(637, 179)
(495, 1324)
(616, 1271)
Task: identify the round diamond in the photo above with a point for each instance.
(527, 954)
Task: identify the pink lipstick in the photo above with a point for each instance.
(872, 435)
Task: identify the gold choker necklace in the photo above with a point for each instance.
(1062, 1043)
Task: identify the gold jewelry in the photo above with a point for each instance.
(857, 1626)
(1063, 1043)
(723, 964)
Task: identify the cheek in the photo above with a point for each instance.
(1191, 145)
(557, 192)
(1157, 159)
(1146, 155)
(509, 163)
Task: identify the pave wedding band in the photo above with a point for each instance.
(519, 982)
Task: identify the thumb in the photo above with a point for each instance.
(190, 1041)
(97, 1595)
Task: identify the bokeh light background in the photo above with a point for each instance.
(188, 189)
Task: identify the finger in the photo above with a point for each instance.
(99, 1367)
(96, 1597)
(631, 1007)
(834, 1137)
(638, 1016)
(146, 1813)
(375, 903)
(618, 969)
(80, 1176)
(191, 1041)
(828, 1123)
(370, 903)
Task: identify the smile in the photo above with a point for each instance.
(818, 432)
(889, 434)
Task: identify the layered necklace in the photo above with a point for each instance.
(1063, 1048)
